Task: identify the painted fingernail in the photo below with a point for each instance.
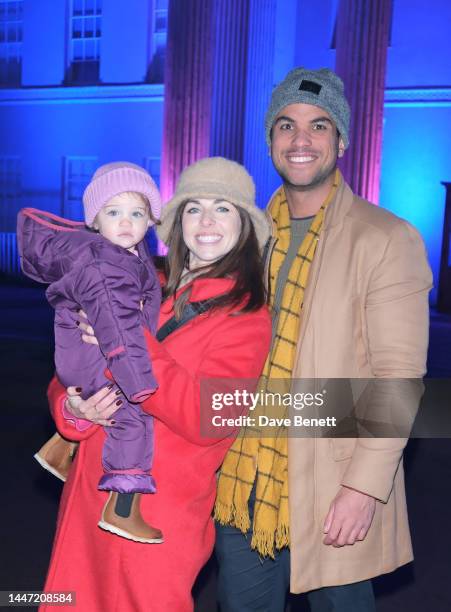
(118, 392)
(110, 386)
(77, 323)
(113, 422)
(119, 402)
(78, 389)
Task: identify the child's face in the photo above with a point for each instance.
(124, 220)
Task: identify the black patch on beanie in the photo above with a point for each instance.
(310, 86)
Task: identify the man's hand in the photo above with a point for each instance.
(349, 517)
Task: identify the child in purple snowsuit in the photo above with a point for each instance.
(110, 275)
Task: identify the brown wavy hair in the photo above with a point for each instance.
(243, 263)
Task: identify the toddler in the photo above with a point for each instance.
(106, 270)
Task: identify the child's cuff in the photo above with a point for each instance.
(79, 424)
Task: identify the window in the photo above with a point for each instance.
(10, 204)
(84, 42)
(11, 42)
(9, 255)
(158, 36)
(10, 192)
(77, 172)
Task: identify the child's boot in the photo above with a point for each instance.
(56, 456)
(121, 515)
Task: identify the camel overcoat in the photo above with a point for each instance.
(365, 314)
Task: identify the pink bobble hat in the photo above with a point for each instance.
(112, 179)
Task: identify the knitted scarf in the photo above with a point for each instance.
(256, 456)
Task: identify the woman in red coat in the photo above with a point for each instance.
(214, 231)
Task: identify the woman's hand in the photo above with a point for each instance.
(87, 334)
(98, 408)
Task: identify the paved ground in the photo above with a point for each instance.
(30, 496)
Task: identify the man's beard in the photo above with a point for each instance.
(319, 179)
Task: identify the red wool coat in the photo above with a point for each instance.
(109, 573)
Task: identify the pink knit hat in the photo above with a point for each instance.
(112, 179)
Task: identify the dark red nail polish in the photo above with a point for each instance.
(110, 386)
(119, 402)
(113, 422)
(118, 392)
(78, 389)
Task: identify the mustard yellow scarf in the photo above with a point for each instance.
(255, 456)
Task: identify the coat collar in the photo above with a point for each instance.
(335, 212)
(202, 289)
(339, 207)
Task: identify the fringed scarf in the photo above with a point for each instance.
(254, 457)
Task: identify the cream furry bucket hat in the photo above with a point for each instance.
(218, 178)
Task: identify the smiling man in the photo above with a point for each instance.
(304, 147)
(349, 287)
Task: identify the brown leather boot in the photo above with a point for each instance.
(121, 515)
(56, 456)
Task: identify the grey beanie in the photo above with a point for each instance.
(321, 88)
(215, 177)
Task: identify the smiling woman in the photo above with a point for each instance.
(211, 229)
(215, 235)
(214, 229)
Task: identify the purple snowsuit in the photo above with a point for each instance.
(110, 284)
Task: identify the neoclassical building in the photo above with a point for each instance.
(164, 82)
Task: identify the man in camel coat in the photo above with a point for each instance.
(329, 513)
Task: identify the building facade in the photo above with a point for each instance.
(81, 84)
